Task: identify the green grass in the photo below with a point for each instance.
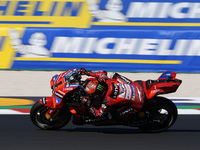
(15, 107)
(188, 107)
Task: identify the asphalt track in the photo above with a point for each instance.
(18, 133)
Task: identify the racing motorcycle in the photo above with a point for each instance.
(157, 114)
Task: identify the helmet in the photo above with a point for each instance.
(95, 89)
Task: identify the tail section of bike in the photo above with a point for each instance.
(166, 83)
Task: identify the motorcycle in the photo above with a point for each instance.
(157, 114)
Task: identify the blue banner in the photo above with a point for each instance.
(124, 50)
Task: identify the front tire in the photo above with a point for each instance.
(38, 118)
(162, 114)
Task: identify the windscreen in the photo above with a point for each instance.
(71, 77)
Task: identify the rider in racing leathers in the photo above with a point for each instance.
(112, 91)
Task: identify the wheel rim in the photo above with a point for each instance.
(159, 119)
(56, 122)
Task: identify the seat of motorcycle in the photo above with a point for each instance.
(140, 82)
(147, 83)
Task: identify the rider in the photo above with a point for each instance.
(112, 91)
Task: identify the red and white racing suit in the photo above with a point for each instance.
(120, 91)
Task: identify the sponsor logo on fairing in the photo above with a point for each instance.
(126, 111)
(43, 100)
(122, 91)
(133, 93)
(128, 92)
(68, 89)
(58, 100)
(59, 95)
(139, 94)
(125, 80)
(115, 91)
(72, 85)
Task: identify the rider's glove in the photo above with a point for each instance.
(97, 113)
(82, 71)
(101, 80)
(86, 101)
(93, 111)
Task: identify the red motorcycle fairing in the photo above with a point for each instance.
(166, 83)
(161, 88)
(46, 101)
(53, 103)
(60, 88)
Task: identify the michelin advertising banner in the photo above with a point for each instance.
(113, 35)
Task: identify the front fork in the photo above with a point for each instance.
(51, 113)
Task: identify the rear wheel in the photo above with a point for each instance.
(161, 114)
(38, 118)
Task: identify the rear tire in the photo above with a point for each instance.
(38, 118)
(162, 114)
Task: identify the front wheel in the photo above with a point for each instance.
(162, 114)
(38, 118)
